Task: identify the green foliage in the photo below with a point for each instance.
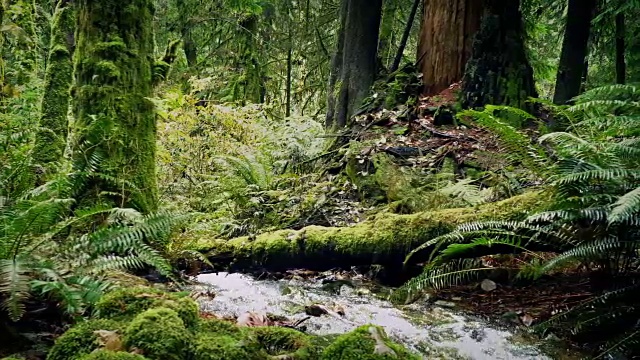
(159, 333)
(593, 221)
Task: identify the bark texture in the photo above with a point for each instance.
(52, 134)
(385, 240)
(115, 122)
(353, 68)
(498, 71)
(446, 37)
(574, 50)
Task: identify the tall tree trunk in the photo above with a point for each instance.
(51, 136)
(115, 122)
(387, 22)
(498, 71)
(353, 69)
(188, 44)
(448, 27)
(405, 35)
(574, 50)
(24, 16)
(621, 65)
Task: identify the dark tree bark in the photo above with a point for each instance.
(51, 137)
(621, 65)
(188, 44)
(574, 50)
(405, 35)
(115, 123)
(353, 69)
(446, 39)
(498, 71)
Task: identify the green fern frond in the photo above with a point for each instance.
(626, 208)
(456, 272)
(591, 250)
(14, 285)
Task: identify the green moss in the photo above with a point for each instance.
(160, 334)
(80, 340)
(111, 355)
(222, 347)
(284, 341)
(219, 327)
(128, 302)
(52, 135)
(387, 238)
(361, 344)
(113, 73)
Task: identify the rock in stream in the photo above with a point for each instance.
(435, 332)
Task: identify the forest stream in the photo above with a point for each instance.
(437, 332)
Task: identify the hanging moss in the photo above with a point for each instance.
(115, 121)
(52, 134)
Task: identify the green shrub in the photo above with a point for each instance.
(111, 355)
(366, 343)
(159, 333)
(80, 340)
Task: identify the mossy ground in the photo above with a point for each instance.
(150, 324)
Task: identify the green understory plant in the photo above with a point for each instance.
(592, 223)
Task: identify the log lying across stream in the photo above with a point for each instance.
(383, 240)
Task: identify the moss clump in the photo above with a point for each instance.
(128, 302)
(285, 341)
(111, 355)
(223, 347)
(366, 343)
(81, 340)
(159, 333)
(219, 327)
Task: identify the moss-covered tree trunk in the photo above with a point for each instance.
(115, 143)
(354, 65)
(52, 133)
(574, 50)
(446, 36)
(385, 240)
(23, 14)
(499, 71)
(621, 65)
(186, 24)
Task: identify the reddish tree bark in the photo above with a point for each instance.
(446, 37)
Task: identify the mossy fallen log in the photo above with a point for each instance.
(383, 240)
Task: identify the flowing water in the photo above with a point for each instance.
(436, 332)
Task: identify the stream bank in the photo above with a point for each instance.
(436, 332)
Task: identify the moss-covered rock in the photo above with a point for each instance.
(366, 343)
(160, 334)
(219, 327)
(224, 347)
(384, 240)
(128, 302)
(81, 339)
(284, 341)
(112, 355)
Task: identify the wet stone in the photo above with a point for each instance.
(435, 332)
